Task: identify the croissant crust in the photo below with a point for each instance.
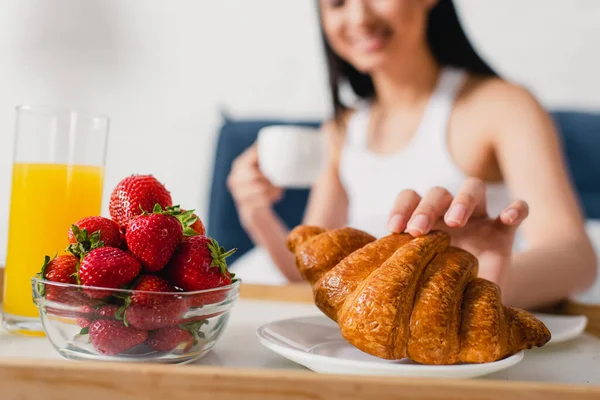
(399, 296)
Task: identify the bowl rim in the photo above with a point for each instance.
(234, 285)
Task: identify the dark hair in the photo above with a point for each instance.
(447, 42)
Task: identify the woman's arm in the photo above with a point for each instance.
(559, 260)
(328, 203)
(326, 207)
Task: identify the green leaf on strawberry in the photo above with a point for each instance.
(194, 329)
(187, 218)
(76, 273)
(85, 242)
(219, 256)
(42, 275)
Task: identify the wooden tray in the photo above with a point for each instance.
(63, 379)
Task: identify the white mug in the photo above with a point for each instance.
(291, 156)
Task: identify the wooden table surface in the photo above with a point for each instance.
(64, 379)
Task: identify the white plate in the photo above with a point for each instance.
(316, 343)
(563, 327)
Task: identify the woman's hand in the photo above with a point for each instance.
(252, 192)
(466, 219)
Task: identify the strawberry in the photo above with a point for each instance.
(83, 323)
(199, 264)
(135, 194)
(153, 238)
(110, 337)
(107, 311)
(109, 234)
(62, 269)
(169, 338)
(84, 317)
(108, 267)
(188, 218)
(147, 311)
(151, 283)
(198, 226)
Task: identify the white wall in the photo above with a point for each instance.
(550, 46)
(161, 70)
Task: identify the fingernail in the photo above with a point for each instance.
(511, 215)
(419, 223)
(395, 223)
(457, 213)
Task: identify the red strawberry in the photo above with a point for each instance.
(198, 226)
(108, 267)
(107, 311)
(109, 235)
(149, 311)
(199, 264)
(110, 337)
(153, 238)
(151, 283)
(83, 322)
(84, 318)
(135, 194)
(168, 339)
(190, 219)
(62, 269)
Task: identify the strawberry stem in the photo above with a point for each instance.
(194, 329)
(219, 256)
(187, 218)
(84, 242)
(120, 314)
(76, 273)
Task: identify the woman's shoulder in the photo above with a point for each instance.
(499, 102)
(497, 94)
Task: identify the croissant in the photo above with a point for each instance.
(404, 297)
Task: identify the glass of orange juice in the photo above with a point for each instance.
(58, 178)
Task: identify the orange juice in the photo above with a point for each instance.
(46, 199)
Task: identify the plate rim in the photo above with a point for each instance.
(565, 338)
(270, 343)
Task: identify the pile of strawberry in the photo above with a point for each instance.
(147, 245)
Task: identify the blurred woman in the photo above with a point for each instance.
(436, 141)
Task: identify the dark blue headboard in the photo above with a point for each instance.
(580, 133)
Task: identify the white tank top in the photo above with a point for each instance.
(372, 181)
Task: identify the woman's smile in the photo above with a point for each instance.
(368, 43)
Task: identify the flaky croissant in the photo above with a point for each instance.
(399, 296)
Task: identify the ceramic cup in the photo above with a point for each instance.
(291, 156)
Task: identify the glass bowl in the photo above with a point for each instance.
(91, 323)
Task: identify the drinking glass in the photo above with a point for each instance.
(58, 178)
